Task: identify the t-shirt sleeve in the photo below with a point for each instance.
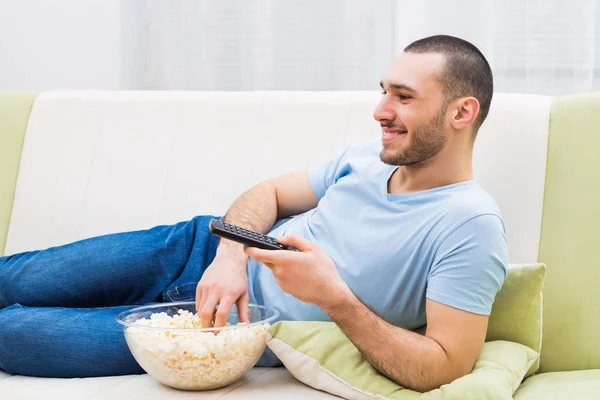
(470, 265)
(325, 174)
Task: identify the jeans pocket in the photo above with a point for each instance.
(185, 292)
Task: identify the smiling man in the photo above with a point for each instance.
(402, 235)
(394, 235)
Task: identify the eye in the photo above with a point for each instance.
(383, 92)
(403, 97)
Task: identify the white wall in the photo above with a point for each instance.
(59, 44)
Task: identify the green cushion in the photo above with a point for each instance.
(574, 385)
(14, 114)
(321, 356)
(517, 311)
(570, 238)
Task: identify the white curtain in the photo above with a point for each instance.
(255, 45)
(534, 46)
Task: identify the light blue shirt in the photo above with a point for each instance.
(394, 251)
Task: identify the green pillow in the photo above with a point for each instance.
(321, 356)
(517, 311)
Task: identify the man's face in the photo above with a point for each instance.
(412, 109)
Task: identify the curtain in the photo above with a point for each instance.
(255, 45)
(547, 47)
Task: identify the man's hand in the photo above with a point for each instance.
(225, 283)
(309, 275)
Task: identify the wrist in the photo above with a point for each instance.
(232, 252)
(338, 299)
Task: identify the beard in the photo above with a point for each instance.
(426, 141)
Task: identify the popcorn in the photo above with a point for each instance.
(201, 360)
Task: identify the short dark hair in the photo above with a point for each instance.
(466, 71)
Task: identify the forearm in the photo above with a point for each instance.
(412, 360)
(255, 209)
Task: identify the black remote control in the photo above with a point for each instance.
(245, 236)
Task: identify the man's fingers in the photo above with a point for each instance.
(207, 311)
(199, 302)
(253, 252)
(297, 242)
(268, 256)
(223, 311)
(242, 305)
(202, 295)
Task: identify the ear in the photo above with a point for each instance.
(465, 111)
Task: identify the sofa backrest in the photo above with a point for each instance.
(570, 239)
(14, 114)
(102, 162)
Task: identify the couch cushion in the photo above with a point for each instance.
(578, 385)
(257, 384)
(514, 174)
(570, 237)
(15, 108)
(319, 354)
(113, 161)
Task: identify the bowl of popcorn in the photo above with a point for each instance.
(168, 342)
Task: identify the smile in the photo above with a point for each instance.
(389, 134)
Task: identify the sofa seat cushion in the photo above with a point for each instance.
(561, 385)
(257, 384)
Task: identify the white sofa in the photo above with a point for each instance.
(101, 162)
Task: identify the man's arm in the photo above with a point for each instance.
(225, 282)
(447, 351)
(467, 272)
(261, 206)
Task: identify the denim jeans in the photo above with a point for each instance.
(58, 306)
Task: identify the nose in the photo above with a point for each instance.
(384, 111)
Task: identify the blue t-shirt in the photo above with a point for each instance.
(394, 251)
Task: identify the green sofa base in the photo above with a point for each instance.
(561, 385)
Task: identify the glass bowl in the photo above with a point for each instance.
(165, 342)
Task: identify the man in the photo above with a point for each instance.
(394, 235)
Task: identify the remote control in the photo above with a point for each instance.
(245, 236)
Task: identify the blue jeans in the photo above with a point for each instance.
(58, 306)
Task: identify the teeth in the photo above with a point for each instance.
(391, 133)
